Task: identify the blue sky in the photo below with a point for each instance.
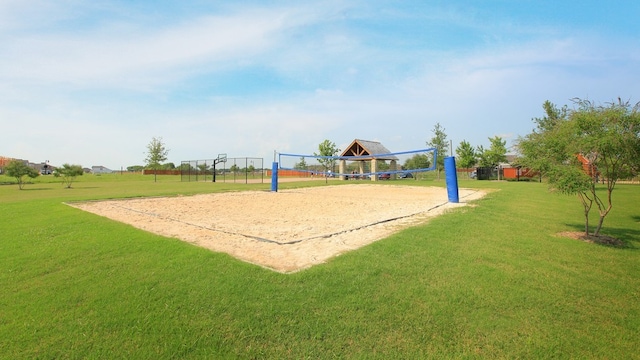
(92, 82)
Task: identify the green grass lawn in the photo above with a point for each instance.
(491, 280)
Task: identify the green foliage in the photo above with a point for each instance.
(186, 167)
(607, 136)
(18, 170)
(135, 168)
(302, 165)
(544, 146)
(382, 165)
(467, 157)
(156, 154)
(496, 154)
(203, 167)
(417, 161)
(439, 142)
(327, 148)
(68, 173)
(77, 285)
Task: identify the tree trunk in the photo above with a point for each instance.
(597, 232)
(586, 222)
(603, 208)
(587, 202)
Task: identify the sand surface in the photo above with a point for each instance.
(288, 230)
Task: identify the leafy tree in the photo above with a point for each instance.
(135, 168)
(417, 161)
(156, 154)
(302, 165)
(203, 168)
(540, 149)
(327, 149)
(496, 154)
(497, 151)
(18, 169)
(439, 142)
(466, 155)
(68, 173)
(573, 149)
(382, 165)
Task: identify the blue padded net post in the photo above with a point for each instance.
(452, 179)
(274, 176)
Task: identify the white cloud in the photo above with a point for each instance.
(115, 58)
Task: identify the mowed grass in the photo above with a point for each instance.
(490, 280)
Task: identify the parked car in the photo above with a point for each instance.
(406, 175)
(473, 174)
(385, 176)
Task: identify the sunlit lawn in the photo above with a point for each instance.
(488, 280)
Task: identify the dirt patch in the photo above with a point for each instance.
(600, 239)
(287, 230)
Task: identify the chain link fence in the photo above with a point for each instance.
(241, 169)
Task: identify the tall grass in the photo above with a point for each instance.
(488, 280)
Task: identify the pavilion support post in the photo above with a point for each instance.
(374, 169)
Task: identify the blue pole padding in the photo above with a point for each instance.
(452, 179)
(274, 176)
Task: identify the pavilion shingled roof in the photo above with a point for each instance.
(365, 148)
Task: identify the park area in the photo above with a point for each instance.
(120, 266)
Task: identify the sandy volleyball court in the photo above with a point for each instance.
(286, 230)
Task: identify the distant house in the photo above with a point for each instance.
(100, 170)
(4, 161)
(42, 168)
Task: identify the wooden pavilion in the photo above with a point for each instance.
(365, 150)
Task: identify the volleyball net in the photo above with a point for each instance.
(360, 166)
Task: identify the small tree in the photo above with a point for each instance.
(156, 154)
(496, 154)
(327, 149)
(574, 149)
(466, 155)
(302, 165)
(439, 142)
(18, 169)
(68, 173)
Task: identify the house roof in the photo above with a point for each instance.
(367, 150)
